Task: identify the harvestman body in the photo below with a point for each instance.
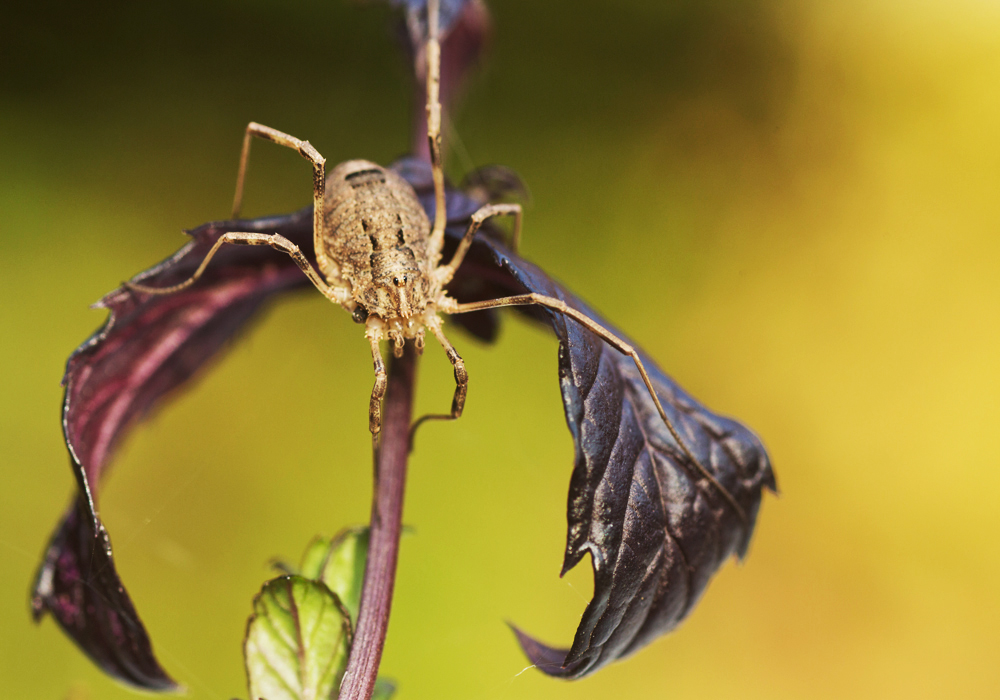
(381, 258)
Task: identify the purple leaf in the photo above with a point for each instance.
(656, 528)
(77, 583)
(149, 346)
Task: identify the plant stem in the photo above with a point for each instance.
(386, 523)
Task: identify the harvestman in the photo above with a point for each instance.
(381, 258)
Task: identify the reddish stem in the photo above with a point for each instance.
(386, 522)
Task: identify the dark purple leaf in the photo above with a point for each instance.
(656, 528)
(149, 346)
(77, 583)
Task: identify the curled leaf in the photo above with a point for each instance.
(148, 347)
(655, 527)
(657, 530)
(297, 641)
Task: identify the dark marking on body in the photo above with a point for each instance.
(365, 177)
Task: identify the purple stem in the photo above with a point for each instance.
(386, 523)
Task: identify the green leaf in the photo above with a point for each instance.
(297, 641)
(314, 558)
(340, 564)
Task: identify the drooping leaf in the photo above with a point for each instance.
(148, 347)
(339, 562)
(78, 584)
(655, 527)
(297, 641)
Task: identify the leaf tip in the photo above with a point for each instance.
(548, 660)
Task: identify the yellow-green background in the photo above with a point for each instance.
(793, 206)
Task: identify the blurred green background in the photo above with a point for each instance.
(792, 205)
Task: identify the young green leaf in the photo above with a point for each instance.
(339, 562)
(313, 559)
(297, 641)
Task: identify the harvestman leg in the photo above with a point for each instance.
(437, 169)
(378, 391)
(434, 125)
(304, 149)
(274, 240)
(621, 346)
(461, 382)
(444, 273)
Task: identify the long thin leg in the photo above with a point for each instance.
(446, 272)
(621, 346)
(434, 124)
(304, 148)
(374, 335)
(378, 390)
(461, 383)
(239, 238)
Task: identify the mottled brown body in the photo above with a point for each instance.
(376, 241)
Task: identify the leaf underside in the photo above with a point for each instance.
(78, 584)
(296, 642)
(148, 347)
